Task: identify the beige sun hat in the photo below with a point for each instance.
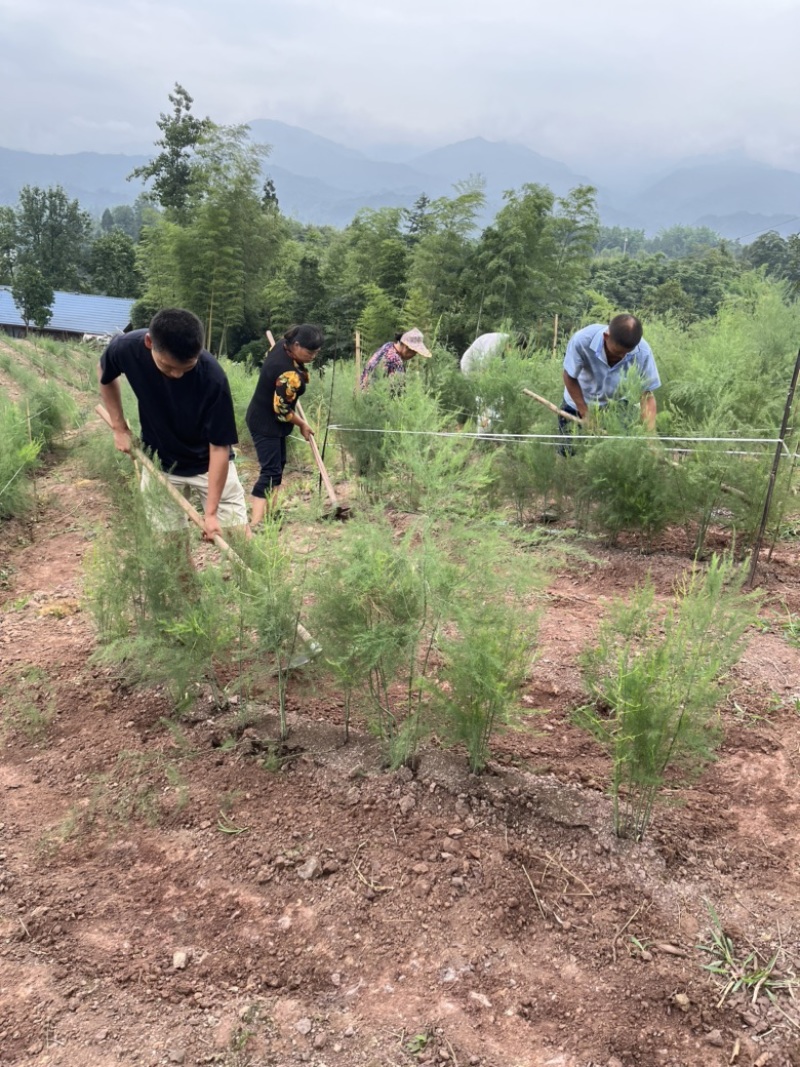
(414, 340)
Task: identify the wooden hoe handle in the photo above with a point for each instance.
(552, 407)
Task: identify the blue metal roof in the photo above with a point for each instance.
(74, 312)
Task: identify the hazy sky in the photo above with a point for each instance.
(586, 81)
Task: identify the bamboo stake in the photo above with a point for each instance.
(555, 335)
(358, 360)
(787, 411)
(191, 513)
(320, 465)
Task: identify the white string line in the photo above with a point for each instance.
(573, 439)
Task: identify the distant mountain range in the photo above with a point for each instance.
(319, 180)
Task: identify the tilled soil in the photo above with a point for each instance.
(179, 896)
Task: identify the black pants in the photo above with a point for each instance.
(566, 427)
(271, 452)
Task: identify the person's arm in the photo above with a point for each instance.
(649, 411)
(111, 396)
(576, 394)
(301, 424)
(218, 462)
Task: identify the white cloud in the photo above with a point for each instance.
(573, 79)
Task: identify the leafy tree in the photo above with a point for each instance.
(33, 296)
(619, 239)
(571, 233)
(156, 257)
(8, 244)
(708, 279)
(632, 284)
(113, 265)
(130, 218)
(769, 251)
(780, 257)
(678, 242)
(174, 171)
(417, 312)
(378, 321)
(215, 259)
(669, 299)
(309, 294)
(418, 219)
(442, 264)
(107, 221)
(510, 258)
(533, 261)
(53, 235)
(269, 197)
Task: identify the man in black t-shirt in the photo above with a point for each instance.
(185, 411)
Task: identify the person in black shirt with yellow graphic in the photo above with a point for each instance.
(271, 414)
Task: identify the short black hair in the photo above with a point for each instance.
(178, 333)
(625, 331)
(307, 336)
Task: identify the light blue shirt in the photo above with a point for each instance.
(586, 360)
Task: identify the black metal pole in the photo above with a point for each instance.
(787, 411)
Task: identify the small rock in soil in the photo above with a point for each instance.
(312, 868)
(407, 804)
(180, 959)
(481, 999)
(303, 1026)
(177, 1055)
(715, 1039)
(682, 1001)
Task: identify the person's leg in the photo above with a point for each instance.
(271, 452)
(168, 519)
(567, 428)
(232, 510)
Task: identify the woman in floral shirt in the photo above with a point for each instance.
(392, 357)
(271, 414)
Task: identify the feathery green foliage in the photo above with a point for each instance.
(488, 644)
(19, 455)
(656, 680)
(378, 606)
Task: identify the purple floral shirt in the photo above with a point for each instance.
(387, 357)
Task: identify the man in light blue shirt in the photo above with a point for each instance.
(598, 358)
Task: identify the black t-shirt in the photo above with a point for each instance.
(281, 383)
(180, 417)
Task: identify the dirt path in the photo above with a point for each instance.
(359, 917)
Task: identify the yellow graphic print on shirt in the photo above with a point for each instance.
(287, 387)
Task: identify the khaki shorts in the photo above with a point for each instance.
(165, 514)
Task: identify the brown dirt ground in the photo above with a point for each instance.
(452, 920)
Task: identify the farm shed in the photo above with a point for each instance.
(74, 315)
